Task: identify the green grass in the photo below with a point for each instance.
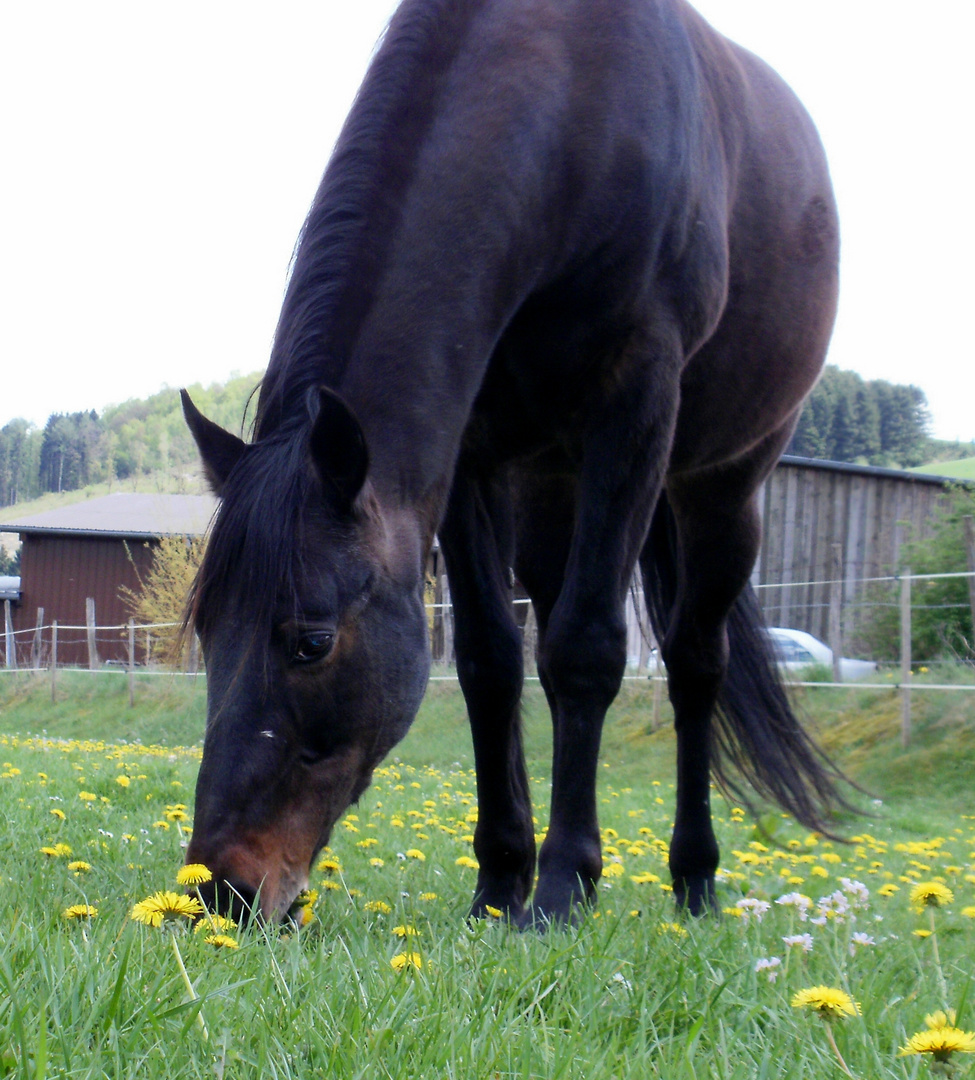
(963, 469)
(627, 992)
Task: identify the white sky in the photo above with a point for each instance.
(158, 160)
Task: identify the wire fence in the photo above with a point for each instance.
(873, 641)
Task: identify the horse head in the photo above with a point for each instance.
(309, 609)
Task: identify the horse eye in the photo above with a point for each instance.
(312, 646)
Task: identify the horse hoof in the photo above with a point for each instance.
(696, 896)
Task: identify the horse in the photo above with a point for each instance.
(570, 272)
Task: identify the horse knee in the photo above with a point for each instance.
(587, 660)
(493, 674)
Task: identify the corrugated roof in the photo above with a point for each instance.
(123, 514)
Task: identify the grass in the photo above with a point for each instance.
(630, 991)
(963, 469)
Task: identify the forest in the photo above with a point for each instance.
(845, 419)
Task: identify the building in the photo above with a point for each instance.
(93, 549)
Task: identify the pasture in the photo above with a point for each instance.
(384, 978)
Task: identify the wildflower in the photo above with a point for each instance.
(770, 966)
(427, 896)
(166, 907)
(829, 1002)
(379, 906)
(87, 796)
(58, 851)
(329, 866)
(215, 924)
(671, 928)
(405, 931)
(193, 874)
(123, 781)
(416, 853)
(466, 860)
(494, 912)
(221, 941)
(752, 909)
(376, 862)
(646, 878)
(888, 890)
(805, 940)
(968, 912)
(939, 1019)
(406, 960)
(79, 866)
(940, 1043)
(860, 941)
(930, 894)
(80, 911)
(799, 901)
(59, 814)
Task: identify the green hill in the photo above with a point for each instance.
(963, 469)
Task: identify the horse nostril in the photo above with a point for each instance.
(230, 897)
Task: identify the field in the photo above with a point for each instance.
(384, 977)
(964, 469)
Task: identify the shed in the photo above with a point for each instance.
(94, 549)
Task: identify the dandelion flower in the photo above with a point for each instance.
(968, 912)
(940, 1042)
(405, 931)
(416, 853)
(79, 866)
(166, 907)
(406, 960)
(80, 911)
(329, 866)
(221, 941)
(466, 860)
(59, 814)
(215, 923)
(379, 906)
(377, 862)
(426, 896)
(939, 1019)
(930, 894)
(193, 874)
(828, 1001)
(87, 796)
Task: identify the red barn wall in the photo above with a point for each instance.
(58, 573)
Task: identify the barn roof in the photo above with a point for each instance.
(126, 515)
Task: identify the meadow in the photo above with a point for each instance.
(380, 974)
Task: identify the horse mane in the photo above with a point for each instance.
(342, 243)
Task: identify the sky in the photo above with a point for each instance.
(158, 161)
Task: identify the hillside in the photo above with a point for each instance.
(962, 470)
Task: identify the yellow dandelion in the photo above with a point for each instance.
(176, 814)
(193, 874)
(922, 933)
(613, 870)
(888, 890)
(939, 1019)
(494, 912)
(59, 814)
(930, 894)
(221, 941)
(968, 912)
(378, 906)
(428, 896)
(87, 796)
(466, 860)
(940, 1043)
(166, 906)
(123, 781)
(416, 853)
(329, 866)
(405, 931)
(406, 960)
(80, 911)
(79, 866)
(377, 862)
(828, 1001)
(214, 923)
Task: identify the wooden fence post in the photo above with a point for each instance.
(131, 662)
(906, 657)
(970, 551)
(658, 691)
(38, 643)
(836, 609)
(194, 657)
(92, 641)
(529, 639)
(448, 624)
(9, 639)
(54, 660)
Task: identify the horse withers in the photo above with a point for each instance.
(568, 277)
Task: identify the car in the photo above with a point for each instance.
(796, 650)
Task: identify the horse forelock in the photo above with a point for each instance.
(253, 555)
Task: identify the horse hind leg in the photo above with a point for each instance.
(692, 578)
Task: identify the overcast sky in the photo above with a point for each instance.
(158, 160)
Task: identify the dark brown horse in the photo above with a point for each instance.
(567, 279)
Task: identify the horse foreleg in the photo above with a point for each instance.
(477, 549)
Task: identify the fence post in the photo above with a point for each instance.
(906, 657)
(658, 691)
(131, 662)
(54, 660)
(970, 551)
(8, 633)
(448, 624)
(35, 649)
(90, 624)
(194, 659)
(836, 609)
(529, 639)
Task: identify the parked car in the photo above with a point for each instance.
(795, 650)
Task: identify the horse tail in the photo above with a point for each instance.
(755, 733)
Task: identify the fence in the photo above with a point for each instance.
(36, 649)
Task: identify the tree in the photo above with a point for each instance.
(161, 596)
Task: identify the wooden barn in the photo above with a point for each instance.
(93, 549)
(828, 520)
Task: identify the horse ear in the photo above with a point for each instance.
(338, 447)
(219, 450)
